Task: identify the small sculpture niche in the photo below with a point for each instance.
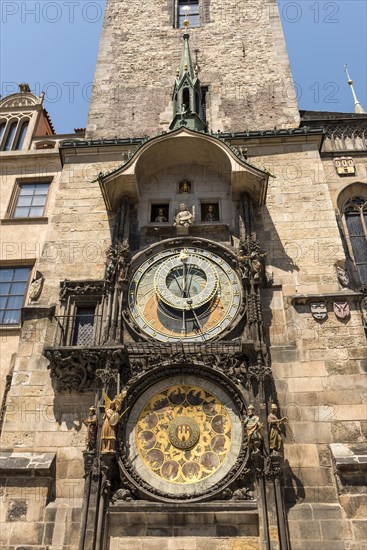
(185, 187)
(210, 212)
(159, 213)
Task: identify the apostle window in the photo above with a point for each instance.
(13, 287)
(30, 200)
(159, 213)
(355, 213)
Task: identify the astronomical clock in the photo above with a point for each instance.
(185, 294)
(182, 438)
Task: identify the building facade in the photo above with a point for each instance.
(183, 306)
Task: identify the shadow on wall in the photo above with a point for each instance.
(294, 491)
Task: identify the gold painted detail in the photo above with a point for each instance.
(184, 434)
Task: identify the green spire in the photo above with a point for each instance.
(187, 92)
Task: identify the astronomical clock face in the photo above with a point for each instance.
(186, 294)
(184, 435)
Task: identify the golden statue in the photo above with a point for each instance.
(253, 427)
(275, 434)
(111, 418)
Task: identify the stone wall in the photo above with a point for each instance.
(319, 365)
(241, 56)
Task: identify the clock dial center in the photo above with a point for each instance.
(186, 282)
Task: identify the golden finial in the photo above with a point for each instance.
(186, 23)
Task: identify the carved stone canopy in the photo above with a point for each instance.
(162, 152)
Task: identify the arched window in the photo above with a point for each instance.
(355, 213)
(10, 136)
(2, 130)
(22, 134)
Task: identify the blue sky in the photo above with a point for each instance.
(53, 45)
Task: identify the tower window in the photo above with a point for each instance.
(194, 13)
(356, 220)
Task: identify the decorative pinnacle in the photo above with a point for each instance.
(357, 105)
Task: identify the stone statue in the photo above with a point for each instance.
(91, 423)
(160, 217)
(184, 217)
(36, 287)
(275, 434)
(210, 214)
(253, 426)
(251, 263)
(343, 276)
(111, 418)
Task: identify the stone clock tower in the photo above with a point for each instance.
(194, 330)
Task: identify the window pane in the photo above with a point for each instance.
(359, 246)
(362, 271)
(10, 136)
(17, 289)
(6, 274)
(84, 322)
(2, 128)
(21, 213)
(354, 224)
(27, 189)
(39, 201)
(21, 137)
(42, 188)
(14, 302)
(21, 274)
(36, 212)
(194, 21)
(12, 293)
(25, 200)
(4, 289)
(11, 317)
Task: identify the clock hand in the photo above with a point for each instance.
(178, 284)
(183, 321)
(189, 302)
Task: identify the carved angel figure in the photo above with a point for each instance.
(111, 418)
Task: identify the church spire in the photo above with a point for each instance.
(187, 92)
(357, 106)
